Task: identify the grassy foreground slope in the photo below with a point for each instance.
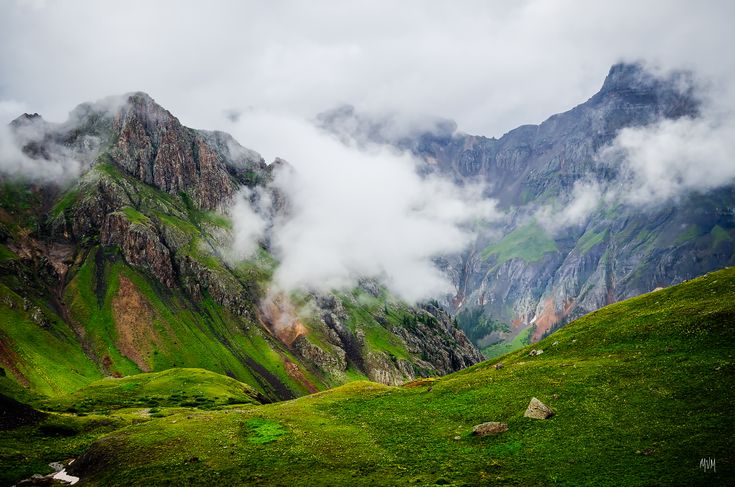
(643, 390)
(30, 439)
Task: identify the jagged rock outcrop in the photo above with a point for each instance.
(140, 244)
(428, 337)
(154, 147)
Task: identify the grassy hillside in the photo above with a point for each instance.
(642, 391)
(197, 388)
(29, 440)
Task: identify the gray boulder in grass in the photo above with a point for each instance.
(489, 428)
(538, 410)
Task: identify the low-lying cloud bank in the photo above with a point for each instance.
(34, 150)
(656, 165)
(58, 166)
(361, 210)
(356, 213)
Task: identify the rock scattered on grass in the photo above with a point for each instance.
(538, 410)
(535, 352)
(499, 366)
(489, 428)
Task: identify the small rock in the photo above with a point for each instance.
(58, 467)
(457, 438)
(538, 410)
(535, 352)
(555, 343)
(489, 428)
(499, 366)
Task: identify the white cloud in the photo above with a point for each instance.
(248, 229)
(673, 157)
(58, 164)
(654, 165)
(362, 213)
(584, 199)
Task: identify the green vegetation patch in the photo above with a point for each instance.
(590, 239)
(501, 348)
(477, 325)
(262, 431)
(529, 243)
(66, 201)
(719, 235)
(7, 254)
(689, 233)
(134, 216)
(174, 387)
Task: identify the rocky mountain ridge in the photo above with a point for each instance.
(525, 277)
(123, 270)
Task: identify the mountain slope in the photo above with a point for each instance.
(533, 272)
(641, 390)
(125, 271)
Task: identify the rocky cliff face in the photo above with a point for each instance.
(530, 280)
(143, 284)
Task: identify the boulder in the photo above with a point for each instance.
(489, 428)
(538, 410)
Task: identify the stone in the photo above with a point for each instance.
(499, 366)
(489, 428)
(535, 352)
(538, 410)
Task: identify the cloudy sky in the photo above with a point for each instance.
(263, 70)
(489, 65)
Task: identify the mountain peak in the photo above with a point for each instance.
(625, 75)
(26, 119)
(640, 77)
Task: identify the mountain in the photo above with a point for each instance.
(123, 270)
(641, 393)
(528, 274)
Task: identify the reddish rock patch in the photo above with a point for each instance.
(136, 337)
(9, 360)
(295, 373)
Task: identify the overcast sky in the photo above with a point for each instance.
(490, 66)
